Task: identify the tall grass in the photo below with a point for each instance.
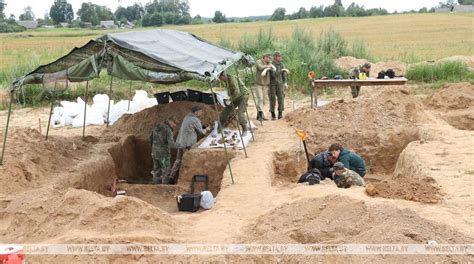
(451, 71)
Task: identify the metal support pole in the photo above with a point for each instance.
(85, 111)
(6, 128)
(311, 92)
(253, 97)
(222, 134)
(50, 113)
(110, 98)
(129, 95)
(246, 111)
(315, 96)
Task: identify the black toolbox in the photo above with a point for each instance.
(163, 98)
(207, 98)
(194, 96)
(179, 96)
(191, 202)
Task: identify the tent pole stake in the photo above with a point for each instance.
(85, 111)
(129, 95)
(222, 134)
(49, 119)
(6, 128)
(110, 98)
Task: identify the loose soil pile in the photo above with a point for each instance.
(141, 123)
(338, 219)
(455, 104)
(31, 161)
(347, 63)
(377, 126)
(80, 216)
(411, 189)
(288, 166)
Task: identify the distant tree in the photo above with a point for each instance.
(61, 11)
(316, 11)
(354, 10)
(302, 13)
(423, 10)
(334, 11)
(155, 19)
(466, 2)
(278, 14)
(2, 8)
(27, 14)
(432, 10)
(197, 20)
(130, 13)
(93, 13)
(338, 3)
(219, 17)
(180, 7)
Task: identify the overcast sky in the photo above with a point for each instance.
(231, 8)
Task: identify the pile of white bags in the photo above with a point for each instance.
(72, 113)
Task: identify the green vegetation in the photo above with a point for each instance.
(450, 71)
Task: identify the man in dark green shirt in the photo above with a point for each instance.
(239, 96)
(278, 85)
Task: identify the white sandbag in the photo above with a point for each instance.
(207, 200)
(123, 105)
(56, 117)
(151, 102)
(100, 99)
(78, 121)
(115, 113)
(65, 121)
(70, 109)
(94, 116)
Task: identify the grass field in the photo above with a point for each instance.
(408, 38)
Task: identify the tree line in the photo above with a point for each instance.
(160, 12)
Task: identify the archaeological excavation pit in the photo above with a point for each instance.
(129, 159)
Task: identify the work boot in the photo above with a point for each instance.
(262, 117)
(280, 114)
(258, 116)
(273, 116)
(156, 179)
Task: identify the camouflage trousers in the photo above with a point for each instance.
(177, 164)
(241, 104)
(161, 169)
(355, 91)
(276, 91)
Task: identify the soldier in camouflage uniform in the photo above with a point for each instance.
(354, 74)
(161, 141)
(239, 95)
(278, 85)
(345, 178)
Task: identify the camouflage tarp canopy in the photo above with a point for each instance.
(159, 56)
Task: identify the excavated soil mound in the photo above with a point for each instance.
(31, 161)
(455, 104)
(288, 166)
(377, 126)
(73, 215)
(140, 124)
(469, 60)
(347, 63)
(338, 219)
(411, 189)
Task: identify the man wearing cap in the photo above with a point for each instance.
(355, 73)
(262, 80)
(239, 96)
(345, 178)
(278, 85)
(161, 141)
(187, 136)
(349, 158)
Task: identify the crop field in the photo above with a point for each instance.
(408, 38)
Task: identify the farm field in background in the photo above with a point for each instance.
(408, 38)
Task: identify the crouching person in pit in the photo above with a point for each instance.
(345, 178)
(312, 177)
(161, 141)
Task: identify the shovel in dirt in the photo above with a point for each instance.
(302, 135)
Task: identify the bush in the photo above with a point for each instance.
(452, 71)
(8, 27)
(332, 44)
(256, 45)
